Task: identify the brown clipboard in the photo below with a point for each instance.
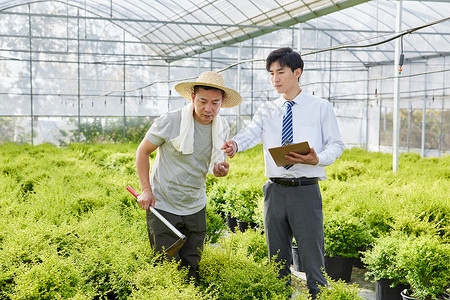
(278, 153)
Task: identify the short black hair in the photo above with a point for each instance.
(207, 87)
(286, 57)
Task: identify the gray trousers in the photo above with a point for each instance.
(296, 212)
(192, 226)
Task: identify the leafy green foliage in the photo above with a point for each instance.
(68, 225)
(234, 269)
(381, 260)
(345, 235)
(215, 225)
(107, 130)
(238, 199)
(69, 229)
(427, 262)
(339, 290)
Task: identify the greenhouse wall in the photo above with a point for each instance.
(65, 80)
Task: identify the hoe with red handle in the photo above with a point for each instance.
(172, 250)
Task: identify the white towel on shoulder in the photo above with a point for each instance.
(184, 142)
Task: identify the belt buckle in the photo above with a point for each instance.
(293, 182)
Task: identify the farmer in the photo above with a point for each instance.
(292, 198)
(188, 142)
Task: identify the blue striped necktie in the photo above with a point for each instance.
(287, 133)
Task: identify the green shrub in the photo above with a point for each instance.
(235, 276)
(53, 278)
(339, 290)
(69, 208)
(217, 194)
(215, 225)
(381, 259)
(251, 242)
(229, 270)
(346, 170)
(344, 235)
(427, 263)
(241, 201)
(165, 281)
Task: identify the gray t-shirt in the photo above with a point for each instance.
(178, 180)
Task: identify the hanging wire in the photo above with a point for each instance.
(344, 46)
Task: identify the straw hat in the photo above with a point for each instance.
(213, 79)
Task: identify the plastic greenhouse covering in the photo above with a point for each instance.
(111, 65)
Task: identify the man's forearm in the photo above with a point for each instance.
(143, 170)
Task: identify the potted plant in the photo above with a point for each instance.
(296, 261)
(381, 264)
(426, 261)
(344, 235)
(217, 197)
(246, 199)
(230, 210)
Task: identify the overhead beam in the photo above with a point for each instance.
(146, 21)
(285, 24)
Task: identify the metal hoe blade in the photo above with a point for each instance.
(172, 250)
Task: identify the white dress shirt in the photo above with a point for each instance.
(314, 121)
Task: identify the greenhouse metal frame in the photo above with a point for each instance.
(101, 71)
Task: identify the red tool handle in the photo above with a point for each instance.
(132, 191)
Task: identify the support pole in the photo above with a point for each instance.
(442, 113)
(441, 128)
(78, 76)
(239, 87)
(252, 79)
(424, 115)
(168, 88)
(124, 89)
(379, 124)
(424, 127)
(410, 108)
(211, 60)
(367, 110)
(408, 134)
(31, 76)
(396, 108)
(329, 71)
(299, 37)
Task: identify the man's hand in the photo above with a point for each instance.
(309, 159)
(146, 199)
(230, 148)
(221, 169)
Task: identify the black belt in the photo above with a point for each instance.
(294, 181)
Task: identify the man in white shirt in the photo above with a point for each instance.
(292, 198)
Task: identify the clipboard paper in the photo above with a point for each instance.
(278, 153)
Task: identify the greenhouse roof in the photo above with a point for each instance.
(174, 29)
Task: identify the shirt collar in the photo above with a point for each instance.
(298, 100)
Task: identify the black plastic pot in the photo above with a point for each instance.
(406, 297)
(384, 291)
(357, 263)
(223, 215)
(242, 225)
(338, 267)
(231, 222)
(296, 260)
